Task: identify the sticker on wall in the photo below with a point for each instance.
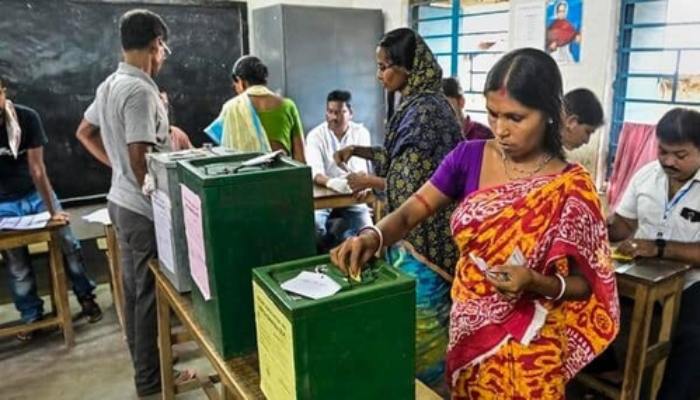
(563, 40)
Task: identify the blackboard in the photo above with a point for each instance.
(54, 54)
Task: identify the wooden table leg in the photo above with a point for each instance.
(116, 274)
(638, 343)
(165, 348)
(669, 316)
(58, 278)
(226, 394)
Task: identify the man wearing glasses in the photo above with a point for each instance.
(25, 189)
(126, 120)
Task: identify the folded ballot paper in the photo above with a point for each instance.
(516, 258)
(313, 285)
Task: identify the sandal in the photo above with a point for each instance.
(183, 376)
(25, 336)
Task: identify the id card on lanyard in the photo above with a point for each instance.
(665, 228)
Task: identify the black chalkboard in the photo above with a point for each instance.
(54, 54)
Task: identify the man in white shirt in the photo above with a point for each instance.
(336, 133)
(659, 216)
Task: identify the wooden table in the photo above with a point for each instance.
(59, 291)
(327, 198)
(240, 377)
(647, 282)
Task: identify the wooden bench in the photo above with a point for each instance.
(647, 282)
(239, 377)
(61, 315)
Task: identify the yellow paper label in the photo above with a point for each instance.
(275, 348)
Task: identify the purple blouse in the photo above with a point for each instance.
(459, 172)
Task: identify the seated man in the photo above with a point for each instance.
(336, 133)
(659, 217)
(584, 115)
(25, 189)
(471, 130)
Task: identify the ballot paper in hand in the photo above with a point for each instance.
(313, 285)
(26, 222)
(517, 257)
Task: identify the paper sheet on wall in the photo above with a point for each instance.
(164, 229)
(528, 25)
(26, 222)
(192, 213)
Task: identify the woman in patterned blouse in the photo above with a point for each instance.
(419, 135)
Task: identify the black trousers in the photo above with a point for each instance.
(682, 376)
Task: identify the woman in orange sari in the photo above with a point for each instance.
(534, 294)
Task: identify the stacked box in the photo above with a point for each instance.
(167, 209)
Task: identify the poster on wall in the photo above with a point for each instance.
(528, 24)
(563, 39)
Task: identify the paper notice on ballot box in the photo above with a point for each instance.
(313, 285)
(192, 213)
(164, 230)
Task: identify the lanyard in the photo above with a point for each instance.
(676, 199)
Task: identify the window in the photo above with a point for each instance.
(658, 62)
(467, 37)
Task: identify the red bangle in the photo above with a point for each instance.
(423, 201)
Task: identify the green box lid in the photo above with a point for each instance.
(214, 171)
(378, 278)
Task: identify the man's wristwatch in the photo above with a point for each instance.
(660, 246)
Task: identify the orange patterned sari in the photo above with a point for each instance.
(529, 347)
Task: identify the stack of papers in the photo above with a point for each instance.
(24, 223)
(100, 216)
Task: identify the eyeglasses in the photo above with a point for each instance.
(167, 50)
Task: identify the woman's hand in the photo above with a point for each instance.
(343, 155)
(638, 248)
(510, 280)
(358, 181)
(351, 255)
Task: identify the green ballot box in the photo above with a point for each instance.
(240, 213)
(358, 343)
